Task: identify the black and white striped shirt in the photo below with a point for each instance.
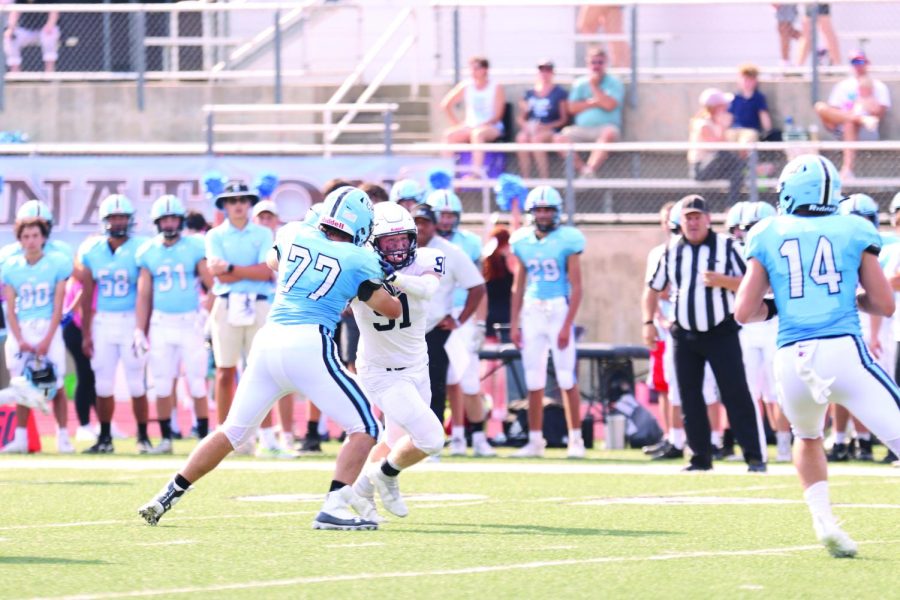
(681, 266)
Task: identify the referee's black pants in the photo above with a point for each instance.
(438, 362)
(722, 349)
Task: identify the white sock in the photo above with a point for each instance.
(62, 433)
(21, 435)
(287, 439)
(478, 437)
(574, 435)
(268, 437)
(818, 500)
(715, 438)
(840, 437)
(783, 437)
(864, 437)
(536, 437)
(676, 437)
(458, 432)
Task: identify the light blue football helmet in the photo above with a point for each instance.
(862, 205)
(349, 210)
(445, 201)
(754, 212)
(544, 196)
(734, 216)
(313, 213)
(406, 190)
(168, 206)
(116, 204)
(35, 209)
(810, 183)
(675, 218)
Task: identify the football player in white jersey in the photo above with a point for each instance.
(392, 361)
(168, 308)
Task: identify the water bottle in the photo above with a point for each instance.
(792, 132)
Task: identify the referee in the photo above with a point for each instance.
(702, 269)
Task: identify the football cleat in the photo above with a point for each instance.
(153, 511)
(835, 540)
(668, 452)
(483, 448)
(64, 445)
(388, 490)
(14, 447)
(163, 447)
(365, 506)
(457, 446)
(276, 452)
(144, 447)
(575, 449)
(311, 445)
(101, 447)
(839, 453)
(335, 513)
(530, 450)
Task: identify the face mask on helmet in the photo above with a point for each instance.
(170, 230)
(118, 226)
(545, 218)
(448, 222)
(399, 249)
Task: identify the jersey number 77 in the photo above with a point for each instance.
(326, 264)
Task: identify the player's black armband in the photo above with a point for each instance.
(366, 289)
(771, 309)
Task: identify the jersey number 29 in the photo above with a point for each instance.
(822, 271)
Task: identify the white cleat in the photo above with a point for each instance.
(483, 448)
(336, 514)
(64, 445)
(388, 490)
(144, 447)
(85, 433)
(276, 452)
(834, 538)
(530, 450)
(28, 395)
(163, 447)
(365, 506)
(248, 448)
(153, 511)
(576, 449)
(14, 447)
(457, 446)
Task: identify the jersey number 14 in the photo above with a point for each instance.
(822, 271)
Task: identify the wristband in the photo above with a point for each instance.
(230, 269)
(648, 322)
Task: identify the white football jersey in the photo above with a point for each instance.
(398, 343)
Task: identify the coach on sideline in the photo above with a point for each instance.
(236, 255)
(703, 269)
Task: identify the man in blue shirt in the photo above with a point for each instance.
(107, 263)
(172, 268)
(814, 260)
(236, 256)
(546, 295)
(319, 271)
(596, 102)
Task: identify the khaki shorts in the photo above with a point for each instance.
(229, 342)
(586, 135)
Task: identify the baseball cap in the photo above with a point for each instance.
(714, 97)
(265, 206)
(424, 211)
(858, 57)
(545, 63)
(693, 203)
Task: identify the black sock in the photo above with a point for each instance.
(476, 426)
(312, 429)
(105, 432)
(202, 428)
(142, 432)
(165, 428)
(389, 469)
(181, 482)
(336, 485)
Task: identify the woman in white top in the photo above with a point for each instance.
(709, 125)
(484, 102)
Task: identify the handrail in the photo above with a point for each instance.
(274, 108)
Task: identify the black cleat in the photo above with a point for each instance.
(756, 466)
(311, 445)
(839, 453)
(694, 468)
(669, 452)
(654, 448)
(864, 451)
(101, 447)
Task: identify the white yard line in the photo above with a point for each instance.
(167, 543)
(360, 545)
(250, 585)
(137, 520)
(546, 467)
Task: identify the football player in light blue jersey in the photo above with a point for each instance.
(814, 260)
(463, 385)
(320, 271)
(109, 264)
(407, 193)
(172, 268)
(34, 286)
(37, 210)
(545, 299)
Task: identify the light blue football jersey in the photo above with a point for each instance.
(546, 259)
(35, 285)
(813, 266)
(317, 277)
(469, 243)
(888, 238)
(15, 249)
(115, 273)
(174, 272)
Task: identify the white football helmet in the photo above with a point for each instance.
(391, 219)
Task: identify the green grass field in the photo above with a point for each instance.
(610, 526)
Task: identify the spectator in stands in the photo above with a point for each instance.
(749, 109)
(375, 192)
(596, 102)
(31, 29)
(709, 125)
(484, 103)
(542, 112)
(785, 15)
(855, 108)
(823, 21)
(610, 19)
